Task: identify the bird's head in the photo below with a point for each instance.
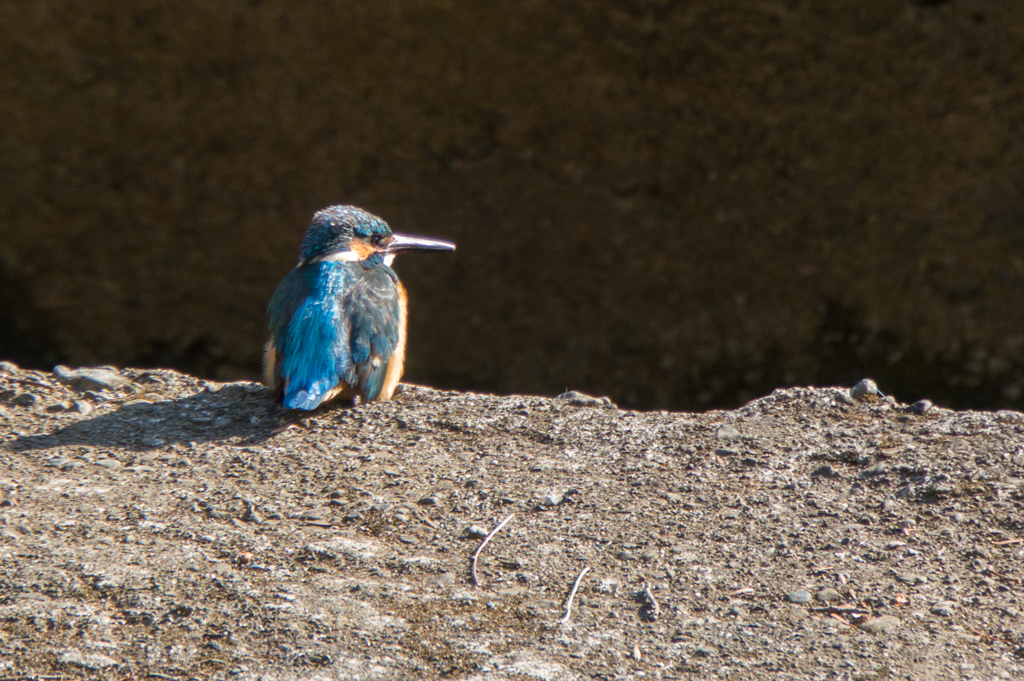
(347, 233)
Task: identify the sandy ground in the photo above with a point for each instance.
(153, 525)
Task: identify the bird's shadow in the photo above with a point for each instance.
(247, 413)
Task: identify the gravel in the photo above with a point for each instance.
(180, 528)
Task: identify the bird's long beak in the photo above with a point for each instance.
(401, 243)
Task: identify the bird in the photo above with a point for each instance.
(337, 320)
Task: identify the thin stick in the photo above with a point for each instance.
(572, 595)
(476, 554)
(842, 610)
(652, 609)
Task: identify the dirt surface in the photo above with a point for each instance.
(677, 204)
(173, 528)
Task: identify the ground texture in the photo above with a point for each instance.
(153, 525)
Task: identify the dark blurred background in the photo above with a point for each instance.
(677, 204)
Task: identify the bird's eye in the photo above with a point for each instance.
(376, 239)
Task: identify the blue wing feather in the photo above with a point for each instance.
(329, 322)
(310, 334)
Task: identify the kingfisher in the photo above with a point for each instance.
(337, 321)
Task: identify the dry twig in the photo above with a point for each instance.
(991, 571)
(988, 637)
(476, 554)
(1006, 542)
(572, 596)
(851, 610)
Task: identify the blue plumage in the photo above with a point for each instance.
(337, 321)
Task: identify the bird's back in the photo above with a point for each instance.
(335, 328)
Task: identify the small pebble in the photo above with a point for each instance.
(443, 579)
(877, 469)
(920, 407)
(90, 379)
(581, 400)
(881, 625)
(868, 519)
(912, 579)
(826, 471)
(944, 608)
(428, 501)
(828, 595)
(865, 390)
(25, 400)
(552, 499)
(799, 596)
(727, 432)
(86, 660)
(475, 532)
